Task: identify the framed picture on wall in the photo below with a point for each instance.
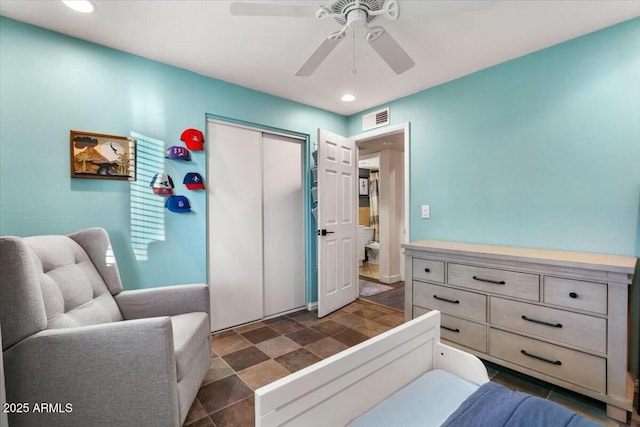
(364, 187)
(95, 155)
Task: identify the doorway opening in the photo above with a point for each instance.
(369, 215)
(337, 213)
(383, 200)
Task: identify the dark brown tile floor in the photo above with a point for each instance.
(250, 356)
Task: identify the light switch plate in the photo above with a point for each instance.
(426, 211)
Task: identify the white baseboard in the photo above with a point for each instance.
(390, 279)
(312, 306)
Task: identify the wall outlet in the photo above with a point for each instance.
(426, 211)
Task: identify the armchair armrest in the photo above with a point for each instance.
(100, 375)
(164, 301)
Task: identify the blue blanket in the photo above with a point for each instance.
(493, 405)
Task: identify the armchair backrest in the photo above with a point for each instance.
(49, 282)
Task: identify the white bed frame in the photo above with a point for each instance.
(340, 388)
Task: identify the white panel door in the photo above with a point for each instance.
(235, 225)
(283, 213)
(337, 222)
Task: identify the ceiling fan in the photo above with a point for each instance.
(352, 15)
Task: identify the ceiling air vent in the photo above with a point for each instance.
(375, 119)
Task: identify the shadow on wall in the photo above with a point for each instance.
(146, 208)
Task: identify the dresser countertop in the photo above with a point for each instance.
(612, 263)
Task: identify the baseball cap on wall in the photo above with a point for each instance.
(162, 184)
(193, 181)
(175, 152)
(193, 139)
(178, 204)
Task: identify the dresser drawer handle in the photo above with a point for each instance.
(426, 270)
(573, 295)
(542, 322)
(446, 299)
(544, 359)
(456, 330)
(495, 282)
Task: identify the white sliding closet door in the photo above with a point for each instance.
(255, 224)
(283, 224)
(234, 183)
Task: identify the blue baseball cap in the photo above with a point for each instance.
(176, 152)
(178, 204)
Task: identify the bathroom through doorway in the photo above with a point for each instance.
(382, 201)
(369, 215)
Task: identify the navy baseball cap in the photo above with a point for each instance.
(193, 181)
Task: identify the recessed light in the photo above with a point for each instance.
(82, 6)
(348, 98)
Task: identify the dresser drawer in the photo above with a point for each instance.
(424, 269)
(464, 332)
(575, 329)
(588, 296)
(503, 282)
(450, 301)
(459, 331)
(569, 365)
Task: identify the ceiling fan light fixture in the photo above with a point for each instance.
(348, 98)
(351, 15)
(82, 6)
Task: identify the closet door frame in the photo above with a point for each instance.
(305, 208)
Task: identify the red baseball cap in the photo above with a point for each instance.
(193, 139)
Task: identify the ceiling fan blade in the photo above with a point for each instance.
(319, 55)
(389, 49)
(270, 9)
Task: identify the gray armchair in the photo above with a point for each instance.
(80, 351)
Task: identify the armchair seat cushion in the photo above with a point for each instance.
(190, 331)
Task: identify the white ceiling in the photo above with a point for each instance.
(446, 39)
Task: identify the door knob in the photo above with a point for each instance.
(324, 232)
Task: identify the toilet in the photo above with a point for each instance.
(365, 236)
(373, 250)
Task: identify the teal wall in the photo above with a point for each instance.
(51, 83)
(541, 151)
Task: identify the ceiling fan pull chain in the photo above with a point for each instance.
(353, 71)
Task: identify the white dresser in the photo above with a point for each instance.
(558, 316)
